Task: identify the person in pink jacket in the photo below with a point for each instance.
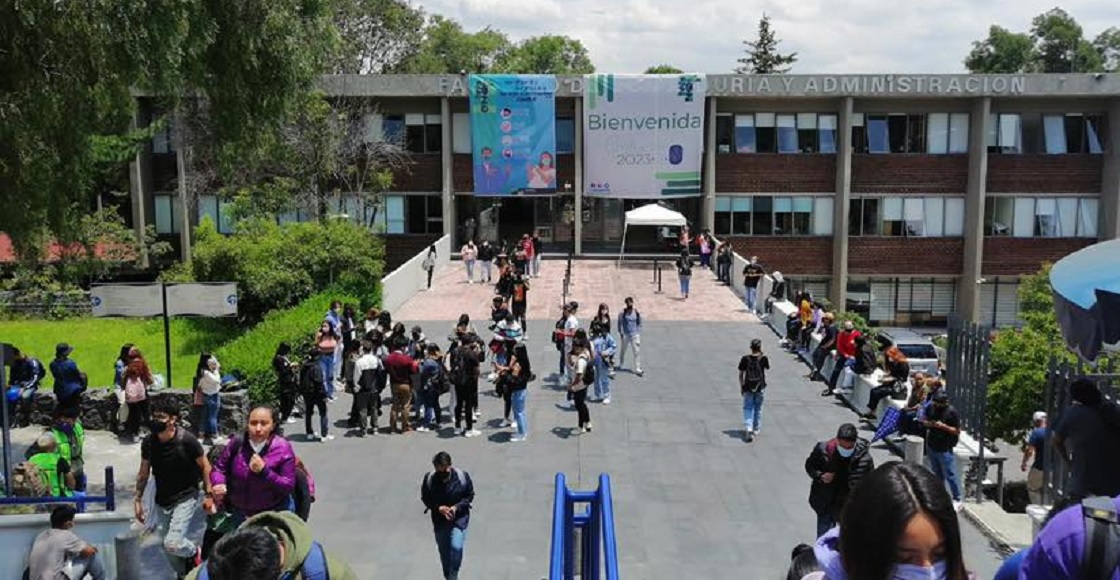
(257, 470)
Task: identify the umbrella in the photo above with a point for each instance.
(1086, 287)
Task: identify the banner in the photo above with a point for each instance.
(215, 299)
(643, 135)
(513, 134)
(132, 300)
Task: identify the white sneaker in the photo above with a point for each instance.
(219, 440)
(517, 439)
(589, 426)
(477, 414)
(314, 437)
(958, 506)
(513, 424)
(506, 423)
(639, 372)
(472, 433)
(492, 377)
(607, 401)
(290, 420)
(610, 375)
(328, 437)
(422, 429)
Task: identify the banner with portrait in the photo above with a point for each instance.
(513, 134)
(643, 135)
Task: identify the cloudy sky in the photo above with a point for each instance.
(830, 36)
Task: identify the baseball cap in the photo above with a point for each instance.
(941, 396)
(63, 349)
(848, 432)
(1039, 415)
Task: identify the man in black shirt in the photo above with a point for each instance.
(829, 332)
(944, 431)
(752, 275)
(519, 299)
(447, 494)
(180, 465)
(835, 467)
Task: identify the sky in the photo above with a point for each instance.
(830, 36)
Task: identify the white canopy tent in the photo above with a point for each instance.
(653, 214)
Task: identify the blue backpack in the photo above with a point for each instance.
(314, 566)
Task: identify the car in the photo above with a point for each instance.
(919, 350)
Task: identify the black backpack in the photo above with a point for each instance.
(311, 378)
(755, 379)
(558, 334)
(1102, 538)
(589, 372)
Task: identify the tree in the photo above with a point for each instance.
(1107, 44)
(762, 55)
(1060, 44)
(1003, 52)
(377, 35)
(447, 49)
(663, 69)
(549, 54)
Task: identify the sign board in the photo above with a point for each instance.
(513, 134)
(217, 299)
(132, 300)
(643, 135)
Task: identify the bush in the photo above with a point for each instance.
(250, 356)
(277, 266)
(858, 321)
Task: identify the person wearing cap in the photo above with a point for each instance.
(944, 430)
(835, 467)
(1034, 455)
(69, 381)
(845, 353)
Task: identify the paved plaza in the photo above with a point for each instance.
(692, 499)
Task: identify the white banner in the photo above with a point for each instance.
(217, 299)
(643, 135)
(132, 300)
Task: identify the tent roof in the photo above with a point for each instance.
(654, 215)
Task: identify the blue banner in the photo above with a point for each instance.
(513, 134)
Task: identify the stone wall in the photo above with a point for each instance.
(99, 409)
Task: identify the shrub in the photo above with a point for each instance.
(250, 355)
(858, 321)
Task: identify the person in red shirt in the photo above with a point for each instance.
(400, 367)
(530, 253)
(845, 352)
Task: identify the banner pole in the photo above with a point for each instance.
(166, 334)
(5, 426)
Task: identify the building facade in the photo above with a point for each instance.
(903, 197)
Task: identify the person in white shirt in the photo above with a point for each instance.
(60, 553)
(571, 325)
(210, 383)
(367, 372)
(469, 253)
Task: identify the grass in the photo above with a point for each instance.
(97, 342)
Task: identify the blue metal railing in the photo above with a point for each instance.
(109, 499)
(598, 548)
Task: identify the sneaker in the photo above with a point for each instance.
(422, 429)
(827, 393)
(373, 431)
(290, 420)
(748, 436)
(588, 426)
(513, 424)
(607, 401)
(610, 375)
(313, 437)
(477, 414)
(639, 372)
(506, 423)
(219, 440)
(328, 437)
(517, 439)
(757, 432)
(958, 506)
(472, 433)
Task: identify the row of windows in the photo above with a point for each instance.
(935, 133)
(1014, 133)
(776, 133)
(1041, 217)
(927, 217)
(902, 300)
(764, 215)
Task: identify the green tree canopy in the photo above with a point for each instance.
(762, 54)
(377, 35)
(447, 48)
(663, 69)
(1003, 52)
(550, 54)
(1055, 43)
(1107, 44)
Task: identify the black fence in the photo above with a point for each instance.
(967, 364)
(1056, 401)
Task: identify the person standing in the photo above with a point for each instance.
(27, 372)
(835, 467)
(684, 272)
(579, 383)
(400, 367)
(432, 378)
(367, 373)
(752, 383)
(334, 317)
(69, 381)
(180, 466)
(944, 430)
(447, 494)
(1034, 455)
(1087, 438)
(568, 332)
(314, 391)
(519, 299)
(469, 252)
(630, 329)
(603, 347)
(429, 264)
(520, 373)
(752, 275)
(58, 553)
(845, 352)
(210, 383)
(137, 379)
(256, 472)
(486, 255)
(704, 241)
(723, 262)
(538, 254)
(466, 365)
(288, 380)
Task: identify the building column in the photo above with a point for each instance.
(447, 189)
(838, 286)
(1109, 221)
(578, 154)
(136, 191)
(708, 217)
(968, 287)
(184, 203)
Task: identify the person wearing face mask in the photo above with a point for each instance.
(178, 462)
(943, 426)
(543, 174)
(447, 494)
(70, 437)
(899, 525)
(257, 470)
(835, 467)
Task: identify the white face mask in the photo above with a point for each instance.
(911, 572)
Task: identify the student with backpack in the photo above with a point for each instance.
(684, 272)
(752, 383)
(45, 473)
(137, 378)
(257, 471)
(314, 391)
(447, 494)
(433, 384)
(466, 364)
(583, 376)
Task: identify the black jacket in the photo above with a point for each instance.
(830, 497)
(457, 490)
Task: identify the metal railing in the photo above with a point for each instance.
(583, 543)
(1056, 399)
(968, 362)
(109, 499)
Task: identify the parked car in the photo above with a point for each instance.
(921, 352)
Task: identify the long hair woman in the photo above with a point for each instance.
(136, 380)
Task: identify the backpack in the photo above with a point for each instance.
(29, 481)
(558, 333)
(314, 566)
(589, 373)
(460, 475)
(439, 383)
(135, 390)
(1102, 538)
(755, 379)
(311, 378)
(684, 267)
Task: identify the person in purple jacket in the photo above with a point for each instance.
(257, 471)
(1059, 551)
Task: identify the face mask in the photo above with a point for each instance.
(845, 453)
(66, 427)
(444, 475)
(912, 572)
(546, 162)
(157, 427)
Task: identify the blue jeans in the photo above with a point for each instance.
(602, 379)
(825, 522)
(752, 411)
(470, 269)
(517, 398)
(536, 262)
(485, 274)
(944, 466)
(750, 296)
(213, 404)
(684, 284)
(432, 410)
(326, 363)
(173, 524)
(80, 566)
(449, 541)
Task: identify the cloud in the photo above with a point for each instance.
(858, 36)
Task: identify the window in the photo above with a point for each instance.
(827, 133)
(947, 133)
(162, 140)
(766, 135)
(929, 217)
(763, 215)
(782, 133)
(744, 134)
(1005, 133)
(787, 134)
(461, 133)
(902, 133)
(392, 128)
(878, 134)
(1041, 217)
(725, 133)
(565, 135)
(392, 217)
(217, 210)
(807, 132)
(999, 303)
(1072, 133)
(167, 213)
(423, 133)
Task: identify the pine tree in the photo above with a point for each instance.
(762, 55)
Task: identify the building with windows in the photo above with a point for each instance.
(904, 197)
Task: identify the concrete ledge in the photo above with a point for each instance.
(1008, 532)
(100, 529)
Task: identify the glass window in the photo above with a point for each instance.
(1094, 128)
(802, 216)
(741, 215)
(913, 213)
(958, 133)
(999, 215)
(938, 133)
(725, 133)
(723, 215)
(1045, 218)
(1075, 133)
(822, 216)
(394, 215)
(167, 221)
(915, 134)
(878, 134)
(762, 218)
(745, 134)
(855, 216)
(827, 133)
(1055, 134)
(859, 134)
(934, 216)
(162, 141)
(461, 133)
(392, 127)
(1023, 226)
(1087, 218)
(565, 135)
(766, 135)
(787, 134)
(871, 207)
(783, 220)
(954, 216)
(433, 138)
(1067, 217)
(1005, 133)
(208, 208)
(807, 132)
(892, 217)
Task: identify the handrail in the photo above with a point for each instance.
(109, 499)
(598, 546)
(610, 543)
(559, 520)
